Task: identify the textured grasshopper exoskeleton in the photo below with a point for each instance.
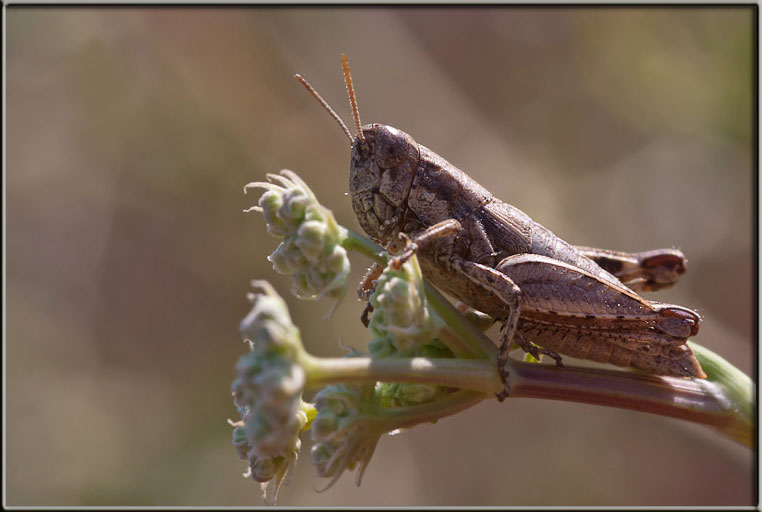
(552, 298)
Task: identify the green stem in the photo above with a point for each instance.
(736, 387)
(473, 340)
(475, 375)
(352, 241)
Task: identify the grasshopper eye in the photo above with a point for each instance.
(391, 146)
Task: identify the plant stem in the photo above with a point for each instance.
(355, 242)
(699, 401)
(477, 375)
(696, 400)
(736, 386)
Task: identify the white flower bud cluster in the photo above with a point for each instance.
(311, 250)
(345, 431)
(268, 390)
(402, 326)
(400, 322)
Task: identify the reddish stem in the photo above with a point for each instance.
(695, 400)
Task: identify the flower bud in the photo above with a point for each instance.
(268, 391)
(240, 443)
(310, 238)
(400, 314)
(345, 431)
(263, 469)
(295, 203)
(281, 264)
(311, 249)
(270, 203)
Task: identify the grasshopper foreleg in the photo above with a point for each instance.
(364, 291)
(437, 232)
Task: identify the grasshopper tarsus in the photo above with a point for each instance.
(365, 316)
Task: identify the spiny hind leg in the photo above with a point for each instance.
(506, 291)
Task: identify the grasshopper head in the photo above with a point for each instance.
(383, 164)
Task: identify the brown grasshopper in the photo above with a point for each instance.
(552, 298)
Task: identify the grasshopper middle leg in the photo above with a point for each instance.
(505, 290)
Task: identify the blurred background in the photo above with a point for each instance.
(131, 132)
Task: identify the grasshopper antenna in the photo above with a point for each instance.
(326, 106)
(352, 97)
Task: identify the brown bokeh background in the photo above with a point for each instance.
(132, 130)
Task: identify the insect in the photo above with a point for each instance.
(552, 298)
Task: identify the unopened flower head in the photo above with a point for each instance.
(268, 391)
(402, 326)
(311, 250)
(346, 430)
(400, 323)
(269, 324)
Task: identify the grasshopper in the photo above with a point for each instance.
(552, 298)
